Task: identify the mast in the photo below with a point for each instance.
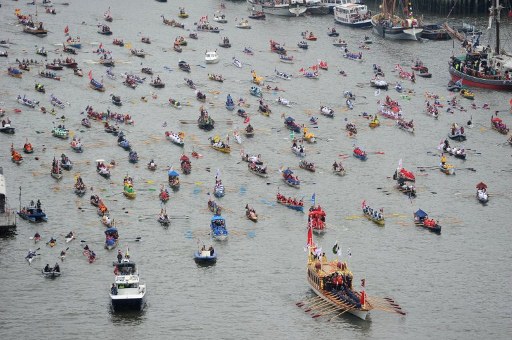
(20, 198)
(496, 13)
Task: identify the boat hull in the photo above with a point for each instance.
(119, 303)
(362, 314)
(396, 33)
(467, 80)
(281, 10)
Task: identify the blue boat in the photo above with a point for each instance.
(96, 85)
(218, 227)
(255, 91)
(360, 154)
(230, 105)
(205, 256)
(111, 238)
(291, 125)
(133, 157)
(33, 214)
(290, 179)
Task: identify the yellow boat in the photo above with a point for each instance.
(219, 145)
(129, 192)
(374, 123)
(447, 169)
(467, 94)
(308, 136)
(256, 79)
(183, 14)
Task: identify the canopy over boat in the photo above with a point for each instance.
(481, 186)
(172, 173)
(421, 214)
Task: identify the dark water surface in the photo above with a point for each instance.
(456, 285)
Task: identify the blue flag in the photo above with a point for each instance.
(313, 198)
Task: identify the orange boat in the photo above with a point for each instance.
(27, 148)
(16, 157)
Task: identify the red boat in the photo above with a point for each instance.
(277, 48)
(495, 77)
(498, 125)
(55, 67)
(316, 219)
(404, 174)
(186, 166)
(291, 203)
(164, 195)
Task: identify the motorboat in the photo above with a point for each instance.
(211, 57)
(127, 291)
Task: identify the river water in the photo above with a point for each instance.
(456, 285)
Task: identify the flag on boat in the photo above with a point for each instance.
(363, 204)
(302, 69)
(336, 248)
(101, 46)
(310, 236)
(363, 282)
(90, 75)
(66, 30)
(313, 198)
(400, 164)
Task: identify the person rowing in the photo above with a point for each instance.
(47, 268)
(30, 254)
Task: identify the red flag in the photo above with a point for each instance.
(100, 47)
(247, 120)
(310, 236)
(302, 69)
(66, 30)
(90, 75)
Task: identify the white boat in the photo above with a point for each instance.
(176, 138)
(244, 24)
(353, 15)
(288, 8)
(238, 139)
(237, 62)
(221, 18)
(283, 101)
(127, 292)
(482, 196)
(211, 57)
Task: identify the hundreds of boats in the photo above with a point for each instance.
(331, 281)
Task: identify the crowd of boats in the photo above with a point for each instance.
(331, 281)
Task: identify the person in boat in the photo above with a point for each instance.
(70, 234)
(443, 160)
(211, 250)
(52, 240)
(56, 268)
(119, 256)
(113, 289)
(37, 236)
(47, 268)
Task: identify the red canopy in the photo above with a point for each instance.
(481, 186)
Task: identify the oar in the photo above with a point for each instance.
(337, 315)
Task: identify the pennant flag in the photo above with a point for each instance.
(302, 69)
(66, 30)
(336, 248)
(100, 47)
(363, 204)
(310, 236)
(313, 198)
(90, 75)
